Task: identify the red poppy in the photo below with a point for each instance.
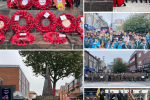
(20, 40)
(45, 15)
(79, 22)
(4, 24)
(45, 6)
(15, 23)
(81, 37)
(12, 3)
(2, 38)
(54, 38)
(26, 5)
(68, 25)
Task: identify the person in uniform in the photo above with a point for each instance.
(92, 76)
(140, 96)
(112, 76)
(112, 96)
(126, 76)
(88, 76)
(122, 75)
(135, 76)
(119, 77)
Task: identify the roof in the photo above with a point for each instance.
(32, 92)
(9, 66)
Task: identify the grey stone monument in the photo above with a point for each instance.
(47, 89)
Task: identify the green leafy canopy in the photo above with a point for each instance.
(119, 67)
(62, 63)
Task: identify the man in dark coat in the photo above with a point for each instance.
(112, 96)
(102, 94)
(125, 46)
(119, 95)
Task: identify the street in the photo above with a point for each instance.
(133, 7)
(3, 5)
(117, 84)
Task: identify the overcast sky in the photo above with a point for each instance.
(110, 55)
(107, 16)
(36, 83)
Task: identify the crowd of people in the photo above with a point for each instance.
(119, 96)
(115, 77)
(116, 40)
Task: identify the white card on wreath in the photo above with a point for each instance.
(12, 0)
(42, 2)
(59, 1)
(46, 15)
(24, 2)
(62, 35)
(16, 17)
(22, 34)
(82, 19)
(63, 17)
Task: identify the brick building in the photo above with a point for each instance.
(92, 61)
(140, 61)
(13, 75)
(1, 81)
(73, 90)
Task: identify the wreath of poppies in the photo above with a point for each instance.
(54, 38)
(12, 4)
(46, 6)
(71, 27)
(78, 28)
(81, 37)
(29, 22)
(52, 22)
(19, 40)
(25, 7)
(5, 21)
(70, 3)
(2, 38)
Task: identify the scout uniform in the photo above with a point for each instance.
(143, 46)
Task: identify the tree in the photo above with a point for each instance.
(62, 63)
(119, 67)
(137, 23)
(120, 27)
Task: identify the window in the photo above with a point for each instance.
(146, 60)
(85, 63)
(91, 64)
(75, 90)
(140, 63)
(139, 55)
(145, 51)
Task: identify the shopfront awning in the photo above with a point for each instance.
(92, 69)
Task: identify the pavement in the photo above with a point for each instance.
(118, 84)
(133, 7)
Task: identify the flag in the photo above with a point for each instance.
(111, 27)
(98, 91)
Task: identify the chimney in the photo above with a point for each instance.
(96, 57)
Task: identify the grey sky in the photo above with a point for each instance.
(107, 16)
(110, 55)
(36, 83)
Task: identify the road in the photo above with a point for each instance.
(118, 84)
(133, 7)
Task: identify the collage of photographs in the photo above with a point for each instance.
(74, 49)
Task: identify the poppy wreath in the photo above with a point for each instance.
(19, 40)
(70, 3)
(12, 4)
(29, 22)
(5, 21)
(2, 38)
(54, 38)
(78, 28)
(71, 27)
(25, 7)
(52, 22)
(46, 6)
(81, 37)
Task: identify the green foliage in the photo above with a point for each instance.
(136, 23)
(119, 67)
(120, 27)
(62, 63)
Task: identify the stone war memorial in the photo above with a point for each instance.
(47, 89)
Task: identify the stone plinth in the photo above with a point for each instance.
(98, 5)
